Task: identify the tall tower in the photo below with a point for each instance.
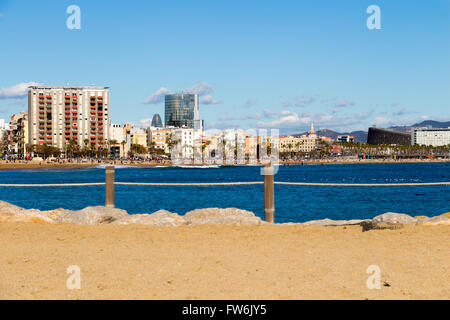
(311, 132)
(181, 110)
(156, 121)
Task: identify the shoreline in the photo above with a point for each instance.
(46, 165)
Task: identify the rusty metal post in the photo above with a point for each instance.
(109, 187)
(269, 198)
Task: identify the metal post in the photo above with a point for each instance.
(109, 187)
(269, 199)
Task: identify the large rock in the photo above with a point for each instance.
(159, 218)
(229, 216)
(447, 215)
(394, 218)
(6, 207)
(12, 213)
(94, 216)
(434, 221)
(328, 222)
(388, 220)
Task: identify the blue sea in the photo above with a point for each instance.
(292, 203)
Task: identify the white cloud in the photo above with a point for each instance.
(344, 103)
(254, 116)
(18, 91)
(286, 120)
(300, 101)
(382, 121)
(226, 118)
(401, 112)
(146, 121)
(200, 88)
(209, 100)
(157, 96)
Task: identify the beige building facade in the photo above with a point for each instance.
(58, 114)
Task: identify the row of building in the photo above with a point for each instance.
(423, 136)
(61, 115)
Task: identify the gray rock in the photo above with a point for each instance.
(228, 216)
(394, 218)
(370, 225)
(94, 216)
(159, 218)
(328, 222)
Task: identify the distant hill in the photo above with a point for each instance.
(426, 123)
(359, 136)
(434, 124)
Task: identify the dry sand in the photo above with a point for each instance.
(223, 262)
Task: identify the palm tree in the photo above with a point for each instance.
(123, 143)
(71, 147)
(111, 143)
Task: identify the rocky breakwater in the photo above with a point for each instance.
(229, 216)
(101, 215)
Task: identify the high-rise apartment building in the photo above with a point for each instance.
(181, 110)
(58, 114)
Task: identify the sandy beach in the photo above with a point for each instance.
(223, 262)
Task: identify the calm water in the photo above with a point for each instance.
(292, 203)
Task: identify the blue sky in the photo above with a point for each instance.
(273, 64)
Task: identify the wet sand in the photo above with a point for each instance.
(223, 262)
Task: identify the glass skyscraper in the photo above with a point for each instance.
(181, 110)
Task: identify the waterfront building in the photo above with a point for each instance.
(181, 110)
(435, 137)
(116, 133)
(18, 134)
(138, 136)
(156, 121)
(345, 138)
(388, 136)
(58, 114)
(4, 128)
(187, 140)
(158, 137)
